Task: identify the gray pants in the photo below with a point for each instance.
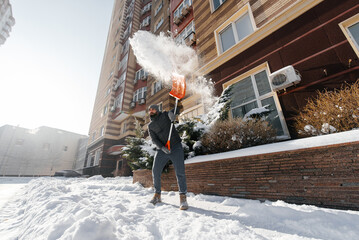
(177, 158)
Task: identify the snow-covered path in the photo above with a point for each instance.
(114, 208)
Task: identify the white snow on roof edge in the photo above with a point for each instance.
(310, 142)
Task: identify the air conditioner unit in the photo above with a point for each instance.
(142, 101)
(284, 77)
(132, 104)
(113, 108)
(185, 11)
(176, 20)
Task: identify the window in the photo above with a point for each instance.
(156, 87)
(118, 101)
(46, 146)
(126, 46)
(253, 90)
(97, 157)
(102, 131)
(180, 38)
(159, 24)
(184, 4)
(159, 8)
(19, 141)
(350, 27)
(139, 93)
(108, 91)
(104, 111)
(140, 74)
(235, 29)
(146, 22)
(123, 63)
(93, 136)
(124, 128)
(111, 73)
(146, 8)
(217, 3)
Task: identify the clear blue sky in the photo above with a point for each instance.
(50, 65)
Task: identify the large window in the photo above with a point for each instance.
(156, 87)
(139, 94)
(180, 38)
(184, 4)
(159, 24)
(254, 91)
(159, 8)
(350, 28)
(236, 31)
(141, 74)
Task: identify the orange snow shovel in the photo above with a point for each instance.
(178, 91)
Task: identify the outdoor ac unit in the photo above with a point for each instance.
(284, 78)
(132, 104)
(185, 10)
(176, 20)
(113, 108)
(141, 101)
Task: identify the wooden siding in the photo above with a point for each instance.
(207, 22)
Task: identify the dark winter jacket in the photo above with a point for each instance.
(159, 129)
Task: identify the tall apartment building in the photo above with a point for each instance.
(6, 20)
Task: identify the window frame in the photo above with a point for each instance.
(190, 28)
(212, 5)
(232, 21)
(178, 10)
(258, 98)
(156, 89)
(345, 28)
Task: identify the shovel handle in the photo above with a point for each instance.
(168, 144)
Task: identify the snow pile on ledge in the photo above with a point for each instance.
(317, 141)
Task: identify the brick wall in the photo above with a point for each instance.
(324, 176)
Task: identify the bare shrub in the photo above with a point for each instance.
(236, 133)
(330, 111)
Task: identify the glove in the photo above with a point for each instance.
(165, 150)
(171, 116)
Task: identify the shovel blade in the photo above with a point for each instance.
(178, 86)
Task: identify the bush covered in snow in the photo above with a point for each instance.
(191, 131)
(330, 111)
(237, 133)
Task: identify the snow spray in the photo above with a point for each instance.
(161, 56)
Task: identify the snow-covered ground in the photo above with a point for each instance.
(115, 208)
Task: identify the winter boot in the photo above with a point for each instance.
(156, 199)
(183, 202)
